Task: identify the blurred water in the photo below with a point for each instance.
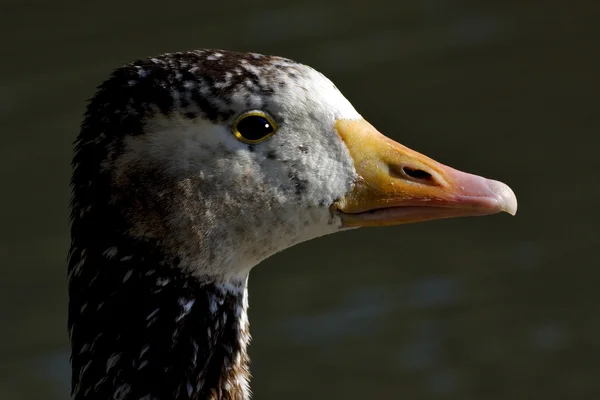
(489, 308)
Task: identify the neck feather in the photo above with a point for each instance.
(140, 328)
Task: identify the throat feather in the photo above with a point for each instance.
(142, 329)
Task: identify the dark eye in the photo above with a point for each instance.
(254, 127)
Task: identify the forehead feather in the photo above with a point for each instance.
(216, 85)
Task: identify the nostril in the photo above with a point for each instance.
(400, 171)
(417, 173)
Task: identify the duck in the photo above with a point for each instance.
(190, 169)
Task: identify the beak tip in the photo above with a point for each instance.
(505, 197)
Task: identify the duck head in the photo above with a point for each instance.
(225, 159)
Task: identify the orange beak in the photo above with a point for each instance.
(397, 185)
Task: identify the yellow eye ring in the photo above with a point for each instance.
(254, 127)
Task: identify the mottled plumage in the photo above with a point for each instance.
(150, 230)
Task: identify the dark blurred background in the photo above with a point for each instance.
(481, 308)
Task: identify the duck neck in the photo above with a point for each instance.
(142, 329)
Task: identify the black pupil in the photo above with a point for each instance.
(254, 127)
